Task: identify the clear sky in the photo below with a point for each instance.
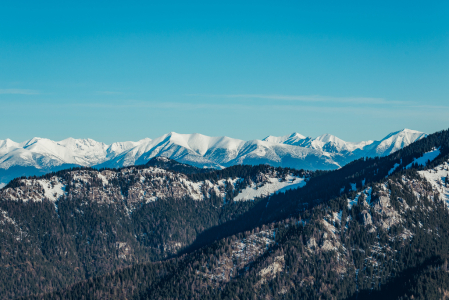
(116, 71)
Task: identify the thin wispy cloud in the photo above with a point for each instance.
(132, 104)
(247, 105)
(108, 93)
(379, 111)
(19, 92)
(306, 98)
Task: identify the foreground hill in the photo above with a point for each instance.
(368, 245)
(75, 224)
(40, 156)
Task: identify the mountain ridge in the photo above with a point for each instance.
(326, 152)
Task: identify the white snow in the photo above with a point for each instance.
(352, 202)
(330, 143)
(366, 192)
(436, 177)
(295, 150)
(336, 216)
(44, 153)
(194, 188)
(396, 141)
(269, 188)
(52, 192)
(103, 178)
(291, 139)
(422, 161)
(198, 149)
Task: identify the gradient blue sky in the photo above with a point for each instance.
(246, 69)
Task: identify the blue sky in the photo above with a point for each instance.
(113, 71)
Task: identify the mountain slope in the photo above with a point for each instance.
(76, 224)
(376, 237)
(332, 144)
(80, 223)
(394, 142)
(40, 156)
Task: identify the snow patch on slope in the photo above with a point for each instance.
(274, 185)
(367, 193)
(428, 156)
(396, 165)
(52, 191)
(437, 177)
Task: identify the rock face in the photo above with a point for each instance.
(311, 244)
(270, 272)
(241, 252)
(366, 218)
(382, 205)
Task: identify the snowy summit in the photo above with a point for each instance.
(39, 155)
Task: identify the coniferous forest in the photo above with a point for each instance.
(376, 228)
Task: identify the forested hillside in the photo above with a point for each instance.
(359, 246)
(352, 233)
(71, 225)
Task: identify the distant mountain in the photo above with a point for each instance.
(332, 144)
(394, 142)
(326, 152)
(40, 156)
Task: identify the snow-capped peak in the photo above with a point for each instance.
(294, 150)
(326, 138)
(7, 144)
(396, 141)
(286, 139)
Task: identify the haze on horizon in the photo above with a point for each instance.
(115, 72)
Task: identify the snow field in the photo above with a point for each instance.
(422, 161)
(198, 150)
(437, 177)
(274, 185)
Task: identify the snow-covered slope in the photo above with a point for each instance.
(291, 139)
(39, 155)
(195, 149)
(44, 153)
(439, 179)
(332, 144)
(219, 152)
(272, 185)
(394, 142)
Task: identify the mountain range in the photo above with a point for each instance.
(376, 228)
(38, 156)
